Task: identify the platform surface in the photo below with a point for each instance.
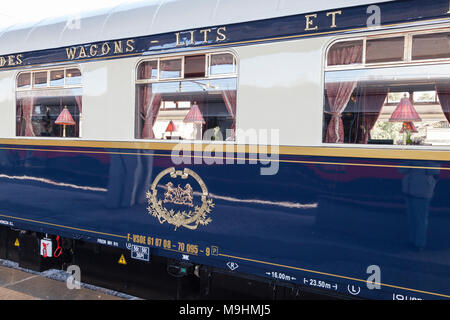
(20, 285)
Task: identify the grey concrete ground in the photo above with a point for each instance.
(20, 284)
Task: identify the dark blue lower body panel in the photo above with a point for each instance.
(363, 227)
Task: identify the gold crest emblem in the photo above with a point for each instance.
(190, 218)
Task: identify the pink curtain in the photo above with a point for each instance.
(229, 97)
(27, 113)
(146, 70)
(443, 91)
(150, 104)
(339, 93)
(78, 100)
(371, 102)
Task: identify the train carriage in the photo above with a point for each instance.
(296, 146)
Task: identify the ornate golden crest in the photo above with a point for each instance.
(182, 196)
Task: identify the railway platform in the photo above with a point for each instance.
(21, 284)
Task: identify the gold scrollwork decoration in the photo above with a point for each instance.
(189, 219)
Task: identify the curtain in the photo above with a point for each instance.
(27, 114)
(229, 97)
(338, 96)
(146, 70)
(443, 91)
(339, 93)
(19, 117)
(371, 101)
(150, 104)
(78, 100)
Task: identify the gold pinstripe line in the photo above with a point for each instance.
(334, 275)
(319, 151)
(239, 159)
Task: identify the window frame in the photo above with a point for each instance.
(407, 50)
(173, 78)
(172, 57)
(432, 31)
(48, 85)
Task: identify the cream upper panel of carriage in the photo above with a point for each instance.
(7, 102)
(152, 17)
(281, 91)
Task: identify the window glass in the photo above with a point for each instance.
(57, 78)
(40, 79)
(24, 81)
(397, 106)
(345, 53)
(73, 77)
(184, 104)
(425, 96)
(168, 105)
(385, 50)
(194, 66)
(170, 69)
(199, 110)
(37, 116)
(49, 112)
(431, 46)
(148, 70)
(223, 63)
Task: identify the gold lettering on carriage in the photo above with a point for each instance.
(11, 60)
(311, 20)
(203, 36)
(118, 47)
(180, 206)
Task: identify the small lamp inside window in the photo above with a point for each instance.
(195, 116)
(65, 119)
(171, 128)
(406, 114)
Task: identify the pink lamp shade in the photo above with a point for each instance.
(171, 127)
(409, 126)
(405, 112)
(65, 118)
(194, 115)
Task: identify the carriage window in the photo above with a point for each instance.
(49, 109)
(194, 107)
(73, 77)
(397, 106)
(431, 46)
(40, 79)
(24, 81)
(170, 69)
(194, 66)
(400, 50)
(345, 53)
(402, 103)
(385, 50)
(224, 63)
(148, 70)
(57, 78)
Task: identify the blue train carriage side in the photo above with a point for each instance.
(303, 147)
